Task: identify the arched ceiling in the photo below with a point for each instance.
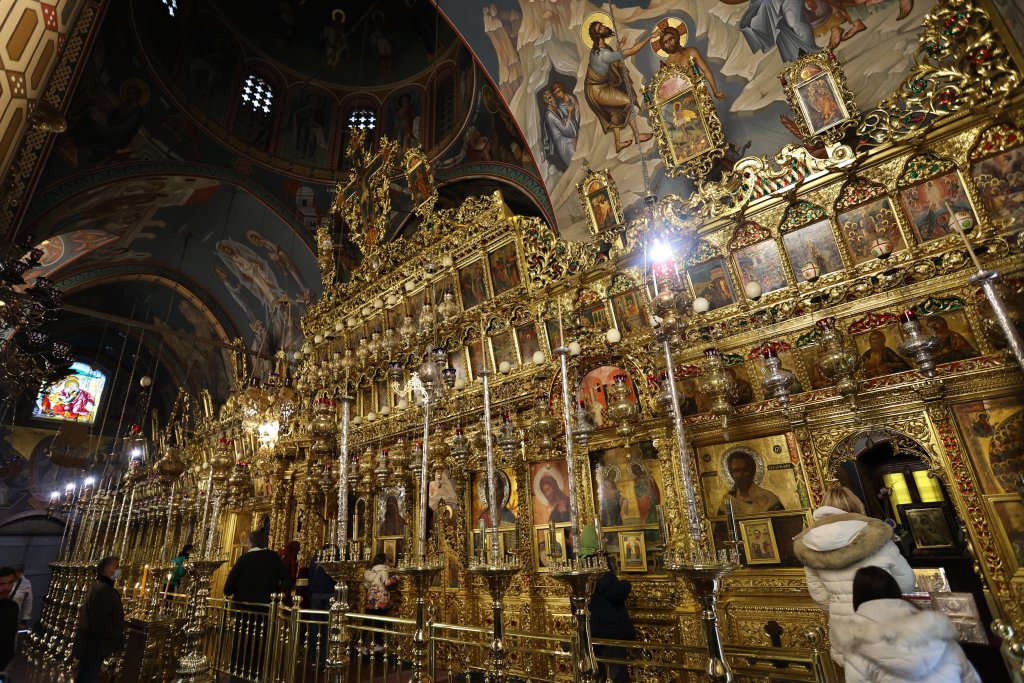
(173, 202)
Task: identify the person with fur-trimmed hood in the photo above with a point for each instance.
(840, 541)
(893, 641)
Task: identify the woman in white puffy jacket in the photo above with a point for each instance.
(893, 641)
(840, 541)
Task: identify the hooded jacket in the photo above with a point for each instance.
(377, 579)
(895, 642)
(832, 549)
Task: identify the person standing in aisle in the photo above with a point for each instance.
(22, 594)
(8, 619)
(100, 631)
(257, 575)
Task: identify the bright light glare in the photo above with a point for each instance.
(659, 251)
(55, 494)
(69, 487)
(89, 481)
(136, 452)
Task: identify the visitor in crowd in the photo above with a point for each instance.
(100, 631)
(378, 579)
(257, 575)
(321, 585)
(22, 594)
(893, 641)
(321, 589)
(9, 613)
(290, 559)
(609, 619)
(840, 541)
(178, 569)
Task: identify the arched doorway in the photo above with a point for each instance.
(900, 481)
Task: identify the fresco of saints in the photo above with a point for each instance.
(747, 497)
(607, 87)
(777, 23)
(671, 40)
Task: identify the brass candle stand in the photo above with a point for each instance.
(421, 573)
(498, 575)
(581, 575)
(346, 574)
(194, 666)
(702, 574)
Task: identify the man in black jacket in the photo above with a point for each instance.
(100, 631)
(609, 618)
(256, 576)
(8, 617)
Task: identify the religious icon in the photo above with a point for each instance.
(472, 285)
(813, 251)
(870, 231)
(956, 341)
(689, 131)
(760, 263)
(549, 483)
(630, 312)
(759, 541)
(999, 457)
(1000, 182)
(504, 490)
(476, 357)
(632, 551)
(392, 523)
(390, 550)
(502, 349)
(928, 526)
(628, 492)
(504, 268)
(879, 357)
(743, 469)
(382, 395)
(1009, 510)
(600, 200)
(815, 87)
(548, 547)
(526, 335)
(421, 181)
(934, 204)
(710, 280)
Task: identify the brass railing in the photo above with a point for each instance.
(278, 643)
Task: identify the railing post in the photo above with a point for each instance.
(821, 658)
(295, 624)
(269, 644)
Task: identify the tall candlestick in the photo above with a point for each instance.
(422, 539)
(550, 537)
(600, 536)
(574, 513)
(342, 526)
(599, 480)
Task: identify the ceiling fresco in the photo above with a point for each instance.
(540, 56)
(167, 181)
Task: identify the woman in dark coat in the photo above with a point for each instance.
(609, 618)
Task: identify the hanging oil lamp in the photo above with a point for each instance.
(719, 386)
(508, 436)
(582, 425)
(777, 379)
(543, 425)
(621, 410)
(838, 360)
(916, 345)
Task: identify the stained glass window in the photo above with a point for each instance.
(74, 397)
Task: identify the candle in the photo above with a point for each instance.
(599, 478)
(732, 520)
(483, 535)
(600, 536)
(551, 538)
(955, 222)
